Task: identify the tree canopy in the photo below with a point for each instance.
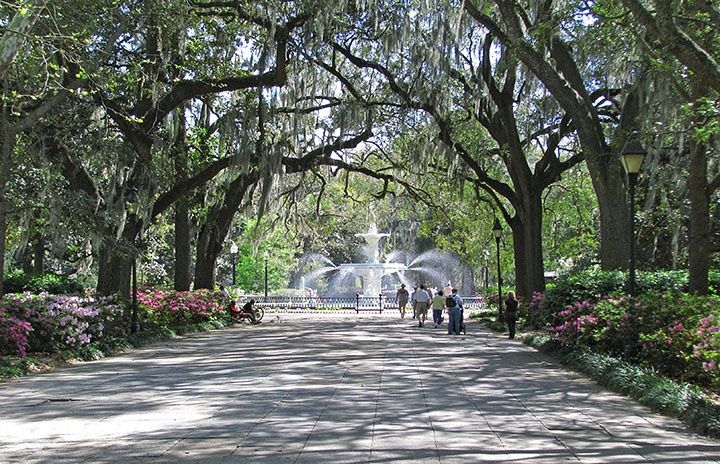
(316, 119)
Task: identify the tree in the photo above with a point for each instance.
(469, 93)
(538, 39)
(688, 31)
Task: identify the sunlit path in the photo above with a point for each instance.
(346, 388)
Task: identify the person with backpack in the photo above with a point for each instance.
(438, 307)
(453, 315)
(459, 303)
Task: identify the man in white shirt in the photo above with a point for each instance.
(422, 302)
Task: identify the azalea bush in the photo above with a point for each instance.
(170, 308)
(674, 333)
(708, 348)
(55, 323)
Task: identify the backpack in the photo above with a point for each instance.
(450, 301)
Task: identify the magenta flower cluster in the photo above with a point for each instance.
(170, 308)
(52, 323)
(678, 335)
(708, 347)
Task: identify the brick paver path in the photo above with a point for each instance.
(336, 389)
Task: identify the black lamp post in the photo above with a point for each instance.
(233, 254)
(265, 257)
(134, 199)
(497, 232)
(632, 157)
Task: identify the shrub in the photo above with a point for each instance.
(670, 328)
(55, 323)
(50, 283)
(170, 308)
(707, 347)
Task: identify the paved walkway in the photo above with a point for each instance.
(335, 389)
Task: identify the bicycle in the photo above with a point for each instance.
(242, 315)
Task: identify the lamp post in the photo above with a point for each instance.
(134, 199)
(265, 257)
(233, 253)
(632, 157)
(497, 232)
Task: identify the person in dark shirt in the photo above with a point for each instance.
(250, 311)
(511, 312)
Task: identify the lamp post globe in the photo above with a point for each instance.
(497, 232)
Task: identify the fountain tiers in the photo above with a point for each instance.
(372, 271)
(372, 274)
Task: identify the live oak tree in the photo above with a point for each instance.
(688, 32)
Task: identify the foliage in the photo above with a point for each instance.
(170, 308)
(676, 332)
(257, 239)
(50, 323)
(591, 285)
(20, 282)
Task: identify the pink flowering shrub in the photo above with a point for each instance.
(677, 334)
(55, 323)
(707, 348)
(170, 308)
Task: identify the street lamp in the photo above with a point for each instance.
(265, 257)
(497, 232)
(632, 157)
(233, 253)
(134, 199)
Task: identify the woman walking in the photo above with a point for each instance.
(511, 312)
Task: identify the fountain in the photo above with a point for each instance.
(429, 267)
(371, 271)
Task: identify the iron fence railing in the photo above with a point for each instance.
(357, 303)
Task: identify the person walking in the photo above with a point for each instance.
(413, 303)
(453, 315)
(511, 312)
(438, 305)
(459, 303)
(447, 291)
(422, 302)
(402, 297)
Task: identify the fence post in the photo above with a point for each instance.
(380, 302)
(357, 303)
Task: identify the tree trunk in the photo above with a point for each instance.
(209, 246)
(183, 257)
(113, 272)
(214, 231)
(700, 245)
(38, 254)
(5, 170)
(614, 216)
(527, 245)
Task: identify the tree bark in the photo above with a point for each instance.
(183, 259)
(700, 244)
(527, 245)
(216, 227)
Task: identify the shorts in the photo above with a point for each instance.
(422, 307)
